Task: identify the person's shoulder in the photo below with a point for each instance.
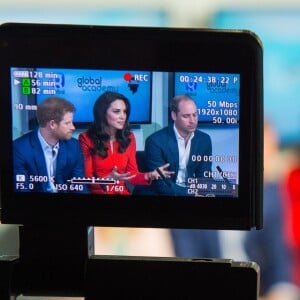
(83, 136)
(295, 172)
(293, 179)
(72, 142)
(201, 134)
(132, 138)
(26, 137)
(161, 132)
(131, 135)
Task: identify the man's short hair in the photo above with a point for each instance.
(174, 103)
(53, 108)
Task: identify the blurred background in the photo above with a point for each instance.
(277, 23)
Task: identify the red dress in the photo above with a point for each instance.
(97, 166)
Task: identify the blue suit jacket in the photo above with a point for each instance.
(29, 160)
(161, 148)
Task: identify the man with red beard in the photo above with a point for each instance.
(46, 158)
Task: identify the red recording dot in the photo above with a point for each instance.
(127, 76)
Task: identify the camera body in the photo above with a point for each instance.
(220, 70)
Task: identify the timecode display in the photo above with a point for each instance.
(216, 95)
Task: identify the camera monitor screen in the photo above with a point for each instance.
(112, 126)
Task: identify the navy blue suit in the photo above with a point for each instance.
(29, 160)
(265, 246)
(161, 148)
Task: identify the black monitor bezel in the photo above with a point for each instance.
(161, 49)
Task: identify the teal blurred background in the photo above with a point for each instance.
(277, 23)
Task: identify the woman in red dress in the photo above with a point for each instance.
(109, 148)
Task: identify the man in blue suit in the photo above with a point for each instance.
(47, 158)
(181, 145)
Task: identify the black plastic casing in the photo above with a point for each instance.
(138, 48)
